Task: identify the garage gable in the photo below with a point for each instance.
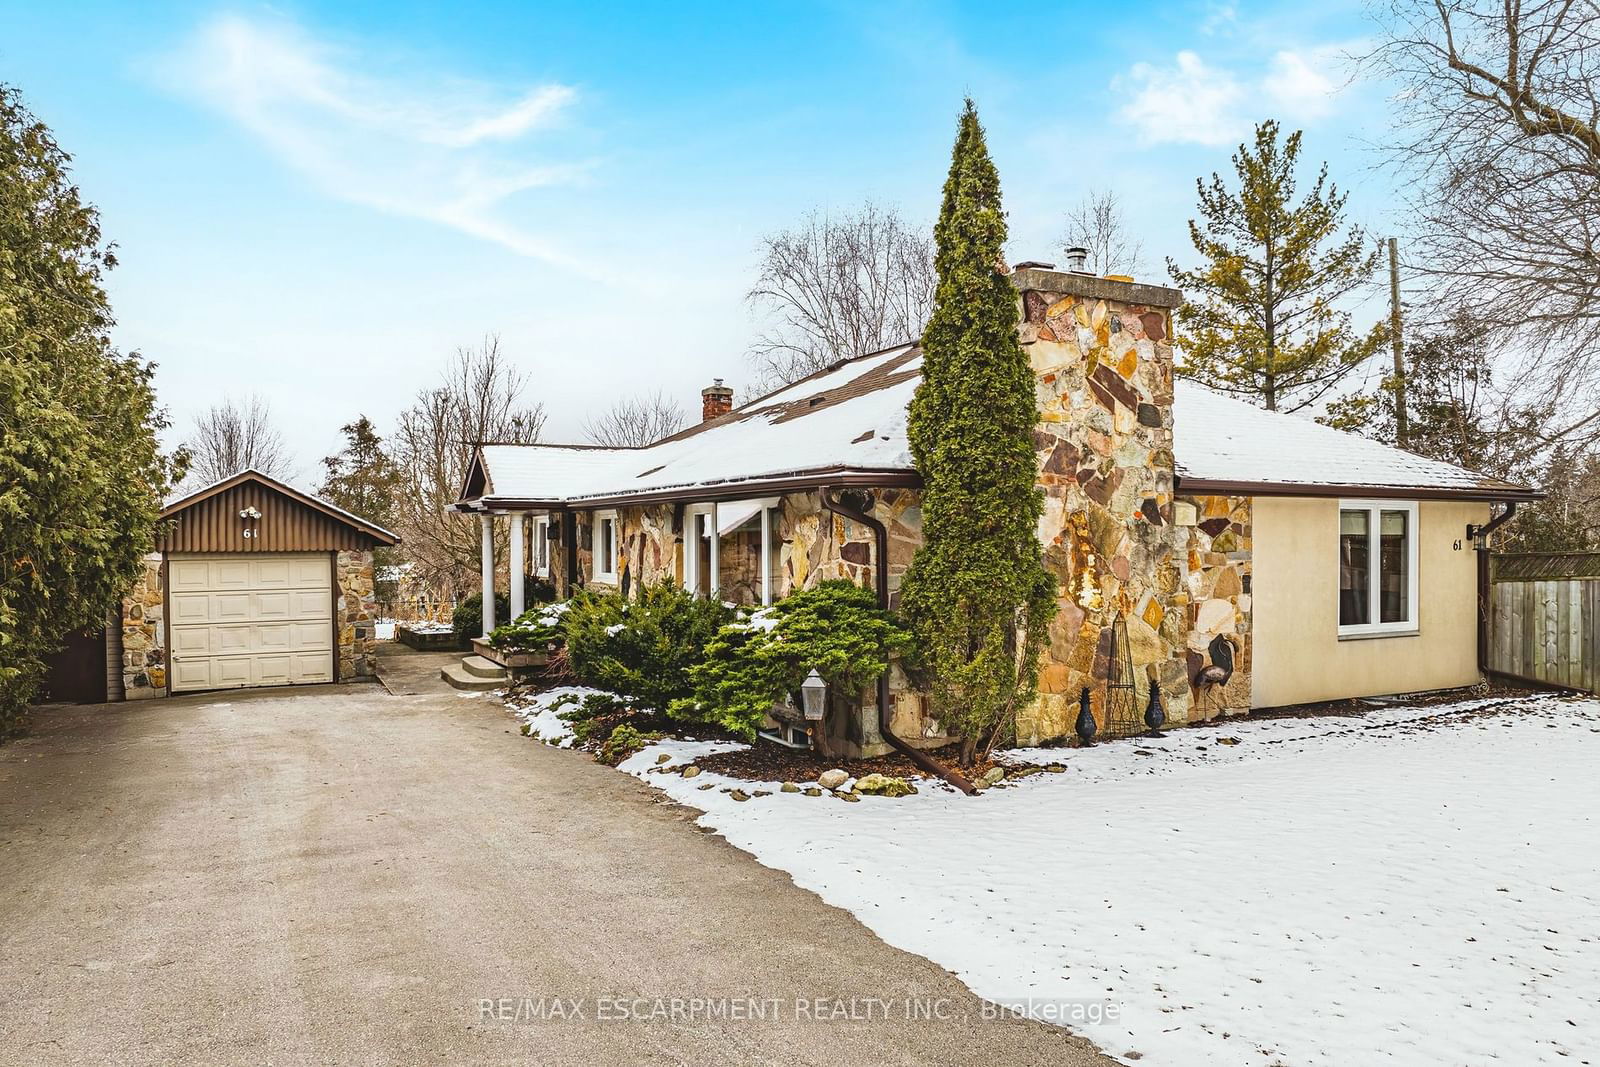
(251, 512)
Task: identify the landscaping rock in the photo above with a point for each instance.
(691, 771)
(813, 791)
(851, 797)
(709, 785)
(663, 758)
(738, 794)
(1055, 768)
(789, 787)
(1024, 772)
(883, 785)
(832, 779)
(992, 776)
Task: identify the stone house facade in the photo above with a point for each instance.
(1150, 489)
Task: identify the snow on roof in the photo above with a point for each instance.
(1217, 438)
(852, 418)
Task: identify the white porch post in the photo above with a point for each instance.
(766, 555)
(488, 573)
(714, 580)
(518, 566)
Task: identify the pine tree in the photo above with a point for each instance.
(362, 479)
(81, 474)
(976, 595)
(1266, 326)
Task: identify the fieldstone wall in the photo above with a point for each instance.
(1217, 581)
(1103, 364)
(144, 634)
(354, 615)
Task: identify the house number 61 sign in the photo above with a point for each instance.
(250, 515)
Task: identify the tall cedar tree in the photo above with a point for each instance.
(976, 595)
(1266, 326)
(81, 474)
(364, 480)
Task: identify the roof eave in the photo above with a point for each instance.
(1231, 487)
(844, 477)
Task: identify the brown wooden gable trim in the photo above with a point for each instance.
(292, 521)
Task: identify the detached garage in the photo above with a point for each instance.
(255, 584)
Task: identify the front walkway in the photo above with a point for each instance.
(342, 875)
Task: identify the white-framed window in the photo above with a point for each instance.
(1377, 567)
(541, 546)
(605, 546)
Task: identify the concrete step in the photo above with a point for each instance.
(458, 677)
(483, 667)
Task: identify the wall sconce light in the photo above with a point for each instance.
(814, 695)
(250, 513)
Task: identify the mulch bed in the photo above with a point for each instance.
(767, 762)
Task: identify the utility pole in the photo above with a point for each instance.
(1402, 429)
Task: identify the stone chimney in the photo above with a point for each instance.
(715, 399)
(1103, 366)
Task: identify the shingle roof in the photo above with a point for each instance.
(850, 422)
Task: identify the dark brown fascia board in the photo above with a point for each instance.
(356, 522)
(852, 478)
(1214, 486)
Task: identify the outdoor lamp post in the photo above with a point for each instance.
(814, 695)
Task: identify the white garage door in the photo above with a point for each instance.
(250, 620)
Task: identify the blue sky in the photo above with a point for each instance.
(337, 196)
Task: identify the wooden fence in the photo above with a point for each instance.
(1544, 618)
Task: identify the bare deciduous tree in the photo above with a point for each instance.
(232, 437)
(1098, 224)
(1499, 102)
(839, 285)
(479, 399)
(636, 421)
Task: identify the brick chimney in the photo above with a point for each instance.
(715, 399)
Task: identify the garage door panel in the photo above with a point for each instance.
(231, 574)
(308, 573)
(232, 640)
(230, 607)
(311, 667)
(250, 621)
(186, 575)
(273, 606)
(191, 641)
(190, 608)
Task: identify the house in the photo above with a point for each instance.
(1186, 530)
(253, 583)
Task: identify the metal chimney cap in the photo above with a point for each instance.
(1077, 259)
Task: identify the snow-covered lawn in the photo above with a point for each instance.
(1412, 886)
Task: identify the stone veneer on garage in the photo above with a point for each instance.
(144, 635)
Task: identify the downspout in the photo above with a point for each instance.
(881, 585)
(569, 537)
(1481, 535)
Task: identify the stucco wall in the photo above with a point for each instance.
(1298, 656)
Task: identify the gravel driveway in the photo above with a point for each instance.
(342, 874)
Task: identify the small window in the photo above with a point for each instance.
(1377, 568)
(541, 546)
(605, 547)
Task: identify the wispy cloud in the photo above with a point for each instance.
(1192, 102)
(418, 145)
